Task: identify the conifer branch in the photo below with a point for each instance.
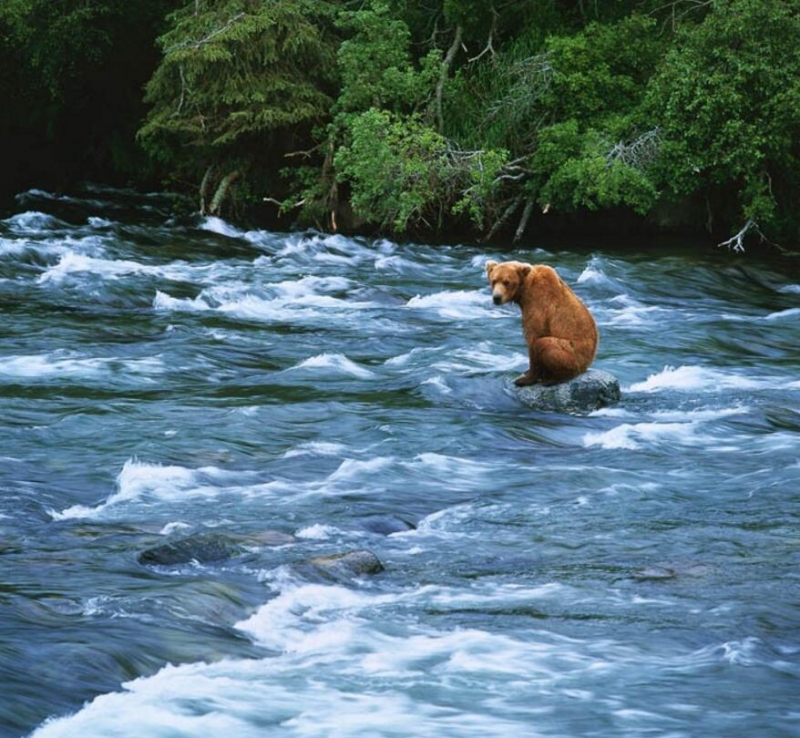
(196, 44)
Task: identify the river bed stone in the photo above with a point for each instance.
(347, 565)
(205, 548)
(587, 392)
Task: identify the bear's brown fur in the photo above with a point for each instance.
(559, 329)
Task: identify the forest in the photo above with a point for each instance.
(418, 118)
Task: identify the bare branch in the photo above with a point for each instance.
(282, 206)
(488, 49)
(530, 80)
(305, 154)
(678, 12)
(445, 70)
(195, 44)
(182, 98)
(639, 153)
(736, 243)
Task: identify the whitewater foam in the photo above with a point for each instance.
(33, 221)
(623, 311)
(459, 305)
(72, 263)
(633, 436)
(784, 314)
(140, 483)
(299, 302)
(317, 448)
(317, 532)
(696, 378)
(217, 225)
(72, 365)
(336, 364)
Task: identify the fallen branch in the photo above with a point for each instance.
(504, 218)
(282, 206)
(736, 243)
(523, 221)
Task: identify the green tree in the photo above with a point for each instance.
(71, 74)
(387, 160)
(240, 84)
(593, 154)
(568, 108)
(727, 98)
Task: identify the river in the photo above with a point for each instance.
(631, 571)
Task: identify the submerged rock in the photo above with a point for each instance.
(205, 548)
(202, 548)
(661, 572)
(385, 525)
(346, 565)
(590, 391)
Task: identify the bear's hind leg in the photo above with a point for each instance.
(556, 360)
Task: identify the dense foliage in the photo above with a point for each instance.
(422, 117)
(71, 79)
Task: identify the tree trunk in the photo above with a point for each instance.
(205, 189)
(222, 190)
(445, 70)
(523, 222)
(504, 218)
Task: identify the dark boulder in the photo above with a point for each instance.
(385, 525)
(590, 391)
(348, 565)
(206, 548)
(202, 548)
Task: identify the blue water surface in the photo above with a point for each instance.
(631, 571)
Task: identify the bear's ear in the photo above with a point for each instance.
(490, 265)
(524, 270)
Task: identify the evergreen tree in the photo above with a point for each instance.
(240, 84)
(71, 74)
(411, 116)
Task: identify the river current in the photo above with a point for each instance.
(631, 571)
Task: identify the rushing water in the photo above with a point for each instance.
(628, 572)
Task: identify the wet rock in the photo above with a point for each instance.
(271, 538)
(660, 572)
(346, 565)
(203, 548)
(385, 525)
(590, 391)
(206, 547)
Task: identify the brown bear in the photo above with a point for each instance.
(559, 329)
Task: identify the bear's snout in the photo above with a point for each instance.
(497, 298)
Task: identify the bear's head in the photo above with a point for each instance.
(505, 279)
